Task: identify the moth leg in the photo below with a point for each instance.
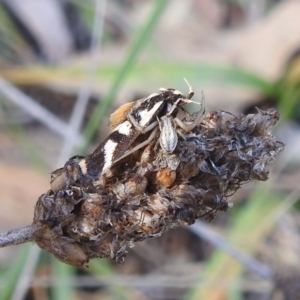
(186, 113)
(185, 100)
(139, 146)
(191, 91)
(182, 135)
(175, 106)
(196, 121)
(140, 128)
(150, 127)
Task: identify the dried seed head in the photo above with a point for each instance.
(134, 186)
(147, 155)
(58, 179)
(150, 191)
(165, 177)
(69, 174)
(63, 248)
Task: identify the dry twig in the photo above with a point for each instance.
(150, 190)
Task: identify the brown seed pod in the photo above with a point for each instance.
(69, 174)
(133, 186)
(147, 155)
(63, 248)
(150, 191)
(58, 179)
(165, 177)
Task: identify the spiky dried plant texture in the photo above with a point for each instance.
(151, 191)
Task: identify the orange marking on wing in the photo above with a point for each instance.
(120, 115)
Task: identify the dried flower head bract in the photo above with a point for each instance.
(152, 190)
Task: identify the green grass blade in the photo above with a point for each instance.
(27, 146)
(249, 227)
(155, 73)
(288, 105)
(203, 73)
(140, 42)
(13, 272)
(103, 267)
(61, 270)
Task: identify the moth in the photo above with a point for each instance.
(132, 120)
(145, 116)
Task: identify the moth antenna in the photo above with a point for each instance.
(191, 91)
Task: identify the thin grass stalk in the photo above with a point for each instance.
(141, 40)
(13, 272)
(62, 291)
(84, 93)
(243, 234)
(59, 269)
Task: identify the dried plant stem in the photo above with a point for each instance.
(34, 109)
(205, 232)
(18, 236)
(84, 93)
